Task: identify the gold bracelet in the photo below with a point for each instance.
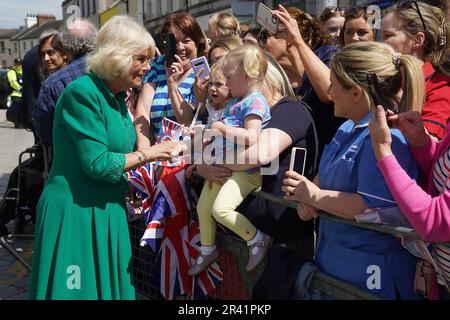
(143, 156)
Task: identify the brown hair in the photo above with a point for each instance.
(437, 37)
(309, 28)
(227, 43)
(190, 27)
(331, 12)
(55, 41)
(350, 14)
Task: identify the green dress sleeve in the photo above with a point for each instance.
(82, 114)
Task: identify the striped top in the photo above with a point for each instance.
(161, 106)
(441, 180)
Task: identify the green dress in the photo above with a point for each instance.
(82, 246)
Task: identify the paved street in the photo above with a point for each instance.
(14, 276)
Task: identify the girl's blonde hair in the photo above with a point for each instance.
(436, 45)
(225, 24)
(117, 41)
(217, 70)
(353, 63)
(251, 58)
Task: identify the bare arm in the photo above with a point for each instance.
(142, 119)
(182, 109)
(318, 73)
(271, 143)
(248, 135)
(342, 204)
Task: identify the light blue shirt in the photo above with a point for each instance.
(350, 253)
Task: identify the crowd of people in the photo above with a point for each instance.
(99, 99)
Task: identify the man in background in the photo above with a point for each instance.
(79, 39)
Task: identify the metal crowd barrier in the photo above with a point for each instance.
(243, 281)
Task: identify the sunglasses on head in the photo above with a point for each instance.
(413, 5)
(333, 9)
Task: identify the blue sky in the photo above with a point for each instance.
(13, 12)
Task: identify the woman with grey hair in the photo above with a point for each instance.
(82, 246)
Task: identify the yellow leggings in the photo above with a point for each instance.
(219, 202)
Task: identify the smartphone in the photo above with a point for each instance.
(298, 160)
(167, 46)
(199, 63)
(377, 97)
(264, 17)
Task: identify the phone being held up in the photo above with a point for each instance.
(265, 18)
(167, 46)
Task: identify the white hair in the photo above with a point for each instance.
(117, 41)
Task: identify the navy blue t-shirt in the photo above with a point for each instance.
(323, 113)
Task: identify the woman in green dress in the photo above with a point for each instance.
(82, 247)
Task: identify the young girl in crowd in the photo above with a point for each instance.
(245, 69)
(219, 93)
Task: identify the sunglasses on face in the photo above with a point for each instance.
(413, 5)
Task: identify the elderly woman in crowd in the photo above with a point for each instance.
(82, 246)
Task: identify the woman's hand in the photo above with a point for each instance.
(216, 174)
(306, 212)
(380, 134)
(410, 124)
(166, 150)
(299, 188)
(189, 171)
(175, 71)
(292, 32)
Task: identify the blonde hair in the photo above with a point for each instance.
(117, 41)
(227, 43)
(250, 58)
(217, 70)
(225, 24)
(353, 63)
(277, 81)
(437, 39)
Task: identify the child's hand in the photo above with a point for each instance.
(217, 125)
(190, 170)
(201, 87)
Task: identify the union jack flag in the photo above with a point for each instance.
(205, 283)
(170, 130)
(143, 180)
(176, 244)
(169, 199)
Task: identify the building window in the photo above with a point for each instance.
(169, 6)
(32, 44)
(94, 6)
(159, 8)
(88, 10)
(15, 47)
(24, 45)
(2, 46)
(4, 64)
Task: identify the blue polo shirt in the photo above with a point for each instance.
(349, 253)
